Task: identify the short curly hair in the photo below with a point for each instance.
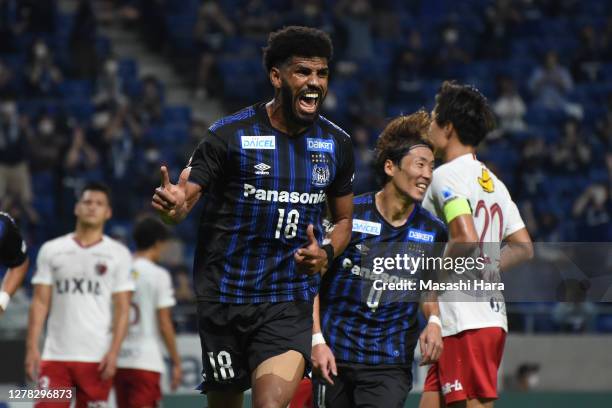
(296, 41)
(396, 140)
(148, 230)
(467, 109)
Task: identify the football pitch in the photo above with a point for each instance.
(507, 400)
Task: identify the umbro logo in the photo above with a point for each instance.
(262, 169)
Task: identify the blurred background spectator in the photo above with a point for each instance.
(527, 377)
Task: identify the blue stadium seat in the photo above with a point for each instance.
(128, 69)
(604, 323)
(180, 28)
(132, 88)
(174, 134)
(103, 46)
(177, 114)
(43, 183)
(76, 89)
(80, 109)
(44, 206)
(544, 324)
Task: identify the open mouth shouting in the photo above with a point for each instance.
(308, 102)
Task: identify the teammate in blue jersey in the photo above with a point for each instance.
(267, 173)
(363, 346)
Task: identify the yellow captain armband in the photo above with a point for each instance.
(455, 208)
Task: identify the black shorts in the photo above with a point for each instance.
(364, 386)
(237, 338)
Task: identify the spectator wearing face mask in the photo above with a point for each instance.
(451, 52)
(43, 76)
(109, 85)
(15, 182)
(593, 213)
(46, 145)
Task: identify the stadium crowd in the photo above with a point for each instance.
(70, 111)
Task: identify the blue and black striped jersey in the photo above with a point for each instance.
(12, 246)
(357, 328)
(262, 188)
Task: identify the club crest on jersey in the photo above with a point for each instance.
(262, 169)
(366, 227)
(485, 181)
(320, 145)
(258, 142)
(101, 268)
(420, 236)
(320, 175)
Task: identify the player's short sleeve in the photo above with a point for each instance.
(514, 222)
(448, 194)
(343, 182)
(12, 246)
(209, 160)
(123, 273)
(43, 274)
(165, 291)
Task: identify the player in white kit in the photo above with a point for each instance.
(479, 212)
(137, 382)
(82, 288)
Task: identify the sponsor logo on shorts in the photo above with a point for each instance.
(366, 227)
(258, 142)
(320, 145)
(97, 404)
(420, 236)
(448, 387)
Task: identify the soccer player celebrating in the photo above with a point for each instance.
(141, 362)
(478, 211)
(370, 342)
(13, 256)
(267, 172)
(83, 284)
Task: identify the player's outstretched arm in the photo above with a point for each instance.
(12, 280)
(518, 249)
(323, 360)
(121, 311)
(174, 201)
(164, 317)
(36, 320)
(430, 340)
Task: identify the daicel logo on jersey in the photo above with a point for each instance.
(420, 236)
(366, 227)
(258, 142)
(320, 145)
